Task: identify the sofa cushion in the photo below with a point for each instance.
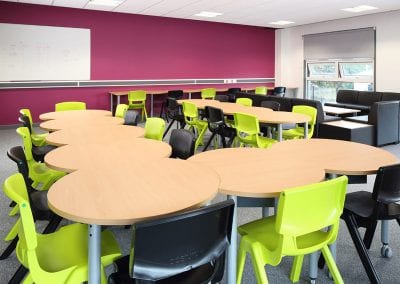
(347, 96)
(368, 98)
(353, 106)
(257, 99)
(387, 96)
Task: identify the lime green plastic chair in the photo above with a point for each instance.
(121, 110)
(41, 175)
(70, 106)
(154, 128)
(191, 114)
(59, 257)
(208, 93)
(244, 101)
(299, 228)
(248, 131)
(137, 100)
(261, 90)
(298, 131)
(38, 139)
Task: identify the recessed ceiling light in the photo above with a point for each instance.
(106, 2)
(281, 23)
(360, 8)
(208, 14)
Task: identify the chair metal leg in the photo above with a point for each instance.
(369, 234)
(9, 249)
(209, 141)
(53, 224)
(361, 249)
(168, 128)
(18, 275)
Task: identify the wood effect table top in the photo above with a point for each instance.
(127, 191)
(76, 122)
(254, 172)
(125, 93)
(336, 156)
(74, 114)
(74, 157)
(339, 110)
(100, 134)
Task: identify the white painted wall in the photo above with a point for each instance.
(289, 49)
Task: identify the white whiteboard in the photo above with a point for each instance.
(30, 52)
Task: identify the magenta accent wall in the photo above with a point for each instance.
(126, 46)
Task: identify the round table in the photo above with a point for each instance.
(74, 157)
(85, 121)
(74, 113)
(101, 134)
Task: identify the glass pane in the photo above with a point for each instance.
(357, 69)
(322, 69)
(325, 91)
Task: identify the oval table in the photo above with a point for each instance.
(125, 192)
(101, 134)
(73, 122)
(74, 114)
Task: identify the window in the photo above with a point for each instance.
(325, 69)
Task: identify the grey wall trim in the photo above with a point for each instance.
(110, 83)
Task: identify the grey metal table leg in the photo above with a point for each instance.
(111, 102)
(151, 105)
(279, 132)
(94, 253)
(232, 249)
(305, 130)
(313, 266)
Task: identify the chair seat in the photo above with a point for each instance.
(361, 204)
(39, 139)
(292, 133)
(52, 259)
(39, 152)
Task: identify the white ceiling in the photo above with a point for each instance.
(245, 12)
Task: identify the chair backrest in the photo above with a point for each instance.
(154, 128)
(136, 96)
(182, 142)
(25, 122)
(208, 93)
(175, 244)
(27, 112)
(222, 98)
(121, 110)
(387, 184)
(175, 94)
(261, 90)
(244, 101)
(306, 209)
(190, 112)
(311, 112)
(233, 91)
(215, 117)
(131, 117)
(271, 105)
(246, 123)
(279, 91)
(17, 155)
(27, 142)
(70, 106)
(173, 109)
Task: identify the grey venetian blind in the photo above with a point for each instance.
(358, 43)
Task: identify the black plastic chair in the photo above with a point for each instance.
(38, 152)
(279, 91)
(217, 126)
(175, 94)
(265, 128)
(131, 117)
(232, 94)
(39, 206)
(365, 209)
(184, 248)
(182, 142)
(222, 98)
(174, 112)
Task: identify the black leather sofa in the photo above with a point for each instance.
(288, 103)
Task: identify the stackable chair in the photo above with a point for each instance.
(261, 90)
(298, 131)
(174, 112)
(59, 257)
(208, 93)
(70, 106)
(248, 130)
(38, 172)
(297, 229)
(222, 98)
(137, 100)
(182, 142)
(244, 101)
(131, 117)
(267, 128)
(120, 111)
(174, 94)
(38, 199)
(232, 93)
(154, 128)
(191, 115)
(187, 247)
(217, 126)
(279, 91)
(38, 139)
(38, 152)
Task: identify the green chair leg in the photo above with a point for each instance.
(258, 266)
(337, 278)
(241, 259)
(13, 231)
(13, 211)
(296, 268)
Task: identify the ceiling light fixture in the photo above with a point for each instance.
(111, 3)
(358, 9)
(208, 14)
(281, 23)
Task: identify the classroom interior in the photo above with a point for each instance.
(157, 51)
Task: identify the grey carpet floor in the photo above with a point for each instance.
(348, 261)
